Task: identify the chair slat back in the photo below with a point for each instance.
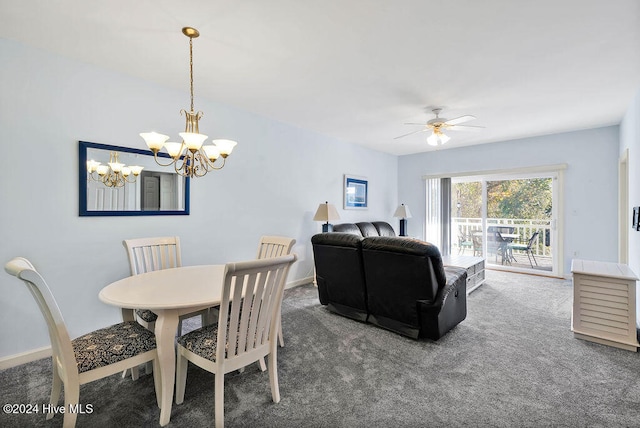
(251, 298)
(533, 238)
(150, 254)
(62, 350)
(274, 246)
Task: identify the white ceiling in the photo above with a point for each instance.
(357, 70)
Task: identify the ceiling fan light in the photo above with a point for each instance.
(444, 138)
(432, 140)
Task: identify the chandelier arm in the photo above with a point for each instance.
(155, 156)
(181, 165)
(203, 165)
(212, 165)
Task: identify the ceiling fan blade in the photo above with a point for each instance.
(423, 124)
(411, 133)
(464, 128)
(460, 119)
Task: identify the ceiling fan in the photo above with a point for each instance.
(437, 125)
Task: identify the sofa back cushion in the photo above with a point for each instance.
(384, 228)
(340, 273)
(347, 228)
(367, 229)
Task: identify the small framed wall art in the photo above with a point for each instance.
(356, 192)
(635, 224)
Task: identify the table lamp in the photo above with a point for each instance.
(403, 212)
(326, 212)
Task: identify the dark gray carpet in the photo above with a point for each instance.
(512, 362)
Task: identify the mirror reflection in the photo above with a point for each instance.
(124, 181)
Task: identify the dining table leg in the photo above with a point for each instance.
(166, 327)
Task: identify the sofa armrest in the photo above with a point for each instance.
(448, 309)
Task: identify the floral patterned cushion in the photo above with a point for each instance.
(146, 315)
(203, 341)
(112, 344)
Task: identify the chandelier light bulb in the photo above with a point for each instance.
(192, 140)
(154, 141)
(225, 146)
(174, 149)
(212, 152)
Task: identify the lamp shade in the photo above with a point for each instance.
(402, 211)
(326, 212)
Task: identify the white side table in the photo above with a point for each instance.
(604, 303)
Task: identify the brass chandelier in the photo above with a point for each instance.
(190, 158)
(114, 174)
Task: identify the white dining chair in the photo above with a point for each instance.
(275, 246)
(246, 329)
(151, 254)
(90, 357)
(148, 255)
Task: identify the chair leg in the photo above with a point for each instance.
(157, 382)
(56, 387)
(181, 377)
(273, 376)
(71, 396)
(219, 400)
(262, 364)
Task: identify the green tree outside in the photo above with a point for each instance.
(512, 199)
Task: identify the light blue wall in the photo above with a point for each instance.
(590, 218)
(630, 139)
(272, 184)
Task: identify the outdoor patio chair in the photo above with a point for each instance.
(464, 242)
(527, 248)
(476, 237)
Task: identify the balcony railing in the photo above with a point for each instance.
(524, 228)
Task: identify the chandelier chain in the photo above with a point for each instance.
(191, 68)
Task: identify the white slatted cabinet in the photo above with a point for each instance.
(604, 303)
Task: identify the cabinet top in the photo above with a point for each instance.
(612, 270)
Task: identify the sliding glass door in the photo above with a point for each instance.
(508, 219)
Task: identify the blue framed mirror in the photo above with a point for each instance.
(155, 190)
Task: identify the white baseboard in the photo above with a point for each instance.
(37, 354)
(25, 357)
(298, 282)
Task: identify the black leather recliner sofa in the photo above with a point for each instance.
(402, 287)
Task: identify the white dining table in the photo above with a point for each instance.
(169, 293)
